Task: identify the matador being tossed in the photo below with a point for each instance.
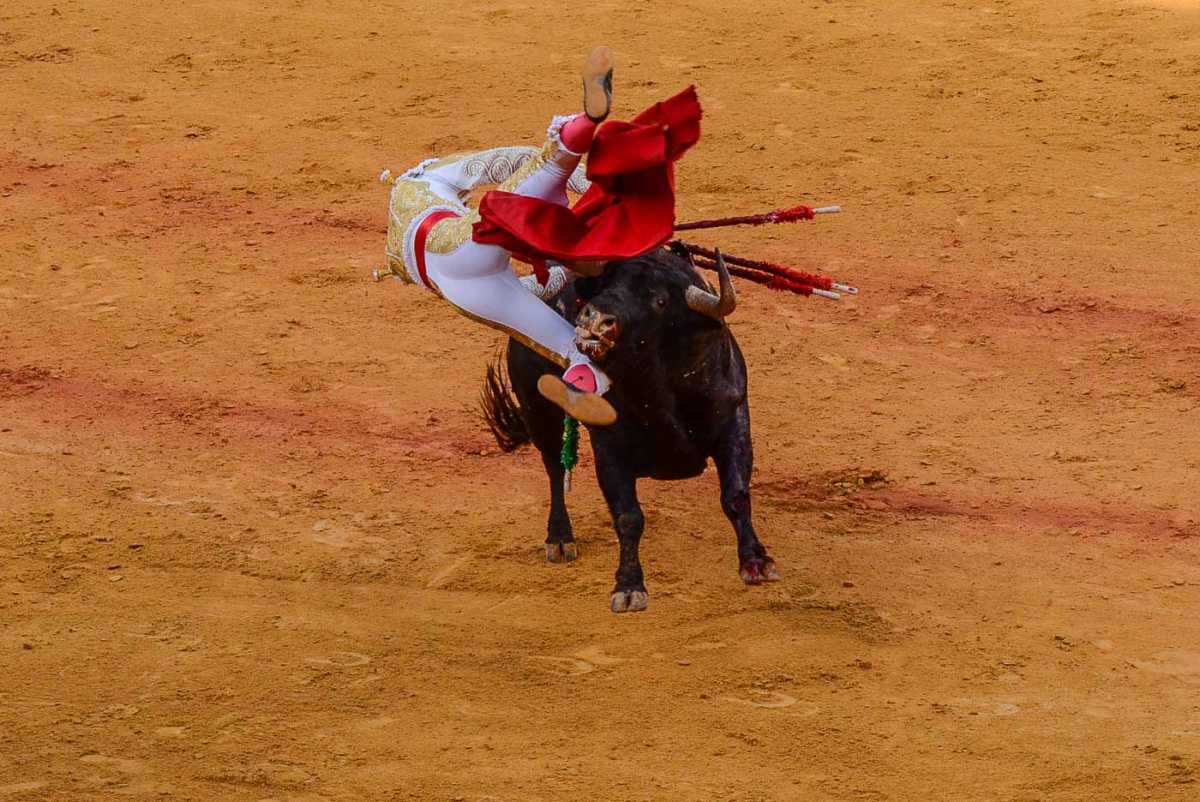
(628, 207)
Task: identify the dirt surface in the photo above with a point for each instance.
(257, 544)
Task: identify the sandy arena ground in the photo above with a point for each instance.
(258, 546)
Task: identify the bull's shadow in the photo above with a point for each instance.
(679, 388)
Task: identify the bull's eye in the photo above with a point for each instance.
(660, 302)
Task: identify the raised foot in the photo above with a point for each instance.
(597, 83)
(629, 601)
(586, 408)
(759, 570)
(561, 552)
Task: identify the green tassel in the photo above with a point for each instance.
(570, 448)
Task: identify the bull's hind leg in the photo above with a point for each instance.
(620, 491)
(735, 459)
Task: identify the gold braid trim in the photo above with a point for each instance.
(536, 347)
(531, 166)
(497, 165)
(450, 234)
(411, 196)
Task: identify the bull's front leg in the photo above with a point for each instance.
(560, 537)
(620, 491)
(735, 460)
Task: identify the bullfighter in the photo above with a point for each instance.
(462, 254)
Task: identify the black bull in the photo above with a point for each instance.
(679, 388)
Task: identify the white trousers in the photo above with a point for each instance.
(478, 279)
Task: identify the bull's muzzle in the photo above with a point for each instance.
(595, 332)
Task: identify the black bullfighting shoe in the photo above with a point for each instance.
(597, 84)
(584, 407)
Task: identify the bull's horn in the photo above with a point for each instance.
(716, 307)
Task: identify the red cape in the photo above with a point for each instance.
(630, 207)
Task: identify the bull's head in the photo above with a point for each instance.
(632, 304)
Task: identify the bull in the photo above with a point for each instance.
(679, 388)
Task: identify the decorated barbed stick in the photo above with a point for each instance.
(791, 215)
(787, 278)
(769, 281)
(783, 271)
(765, 279)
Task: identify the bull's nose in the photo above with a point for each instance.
(599, 323)
(605, 324)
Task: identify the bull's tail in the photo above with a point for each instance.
(501, 411)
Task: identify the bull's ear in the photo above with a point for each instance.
(680, 249)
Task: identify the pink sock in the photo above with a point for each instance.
(581, 377)
(577, 134)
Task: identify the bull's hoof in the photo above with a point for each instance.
(759, 570)
(629, 601)
(561, 552)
